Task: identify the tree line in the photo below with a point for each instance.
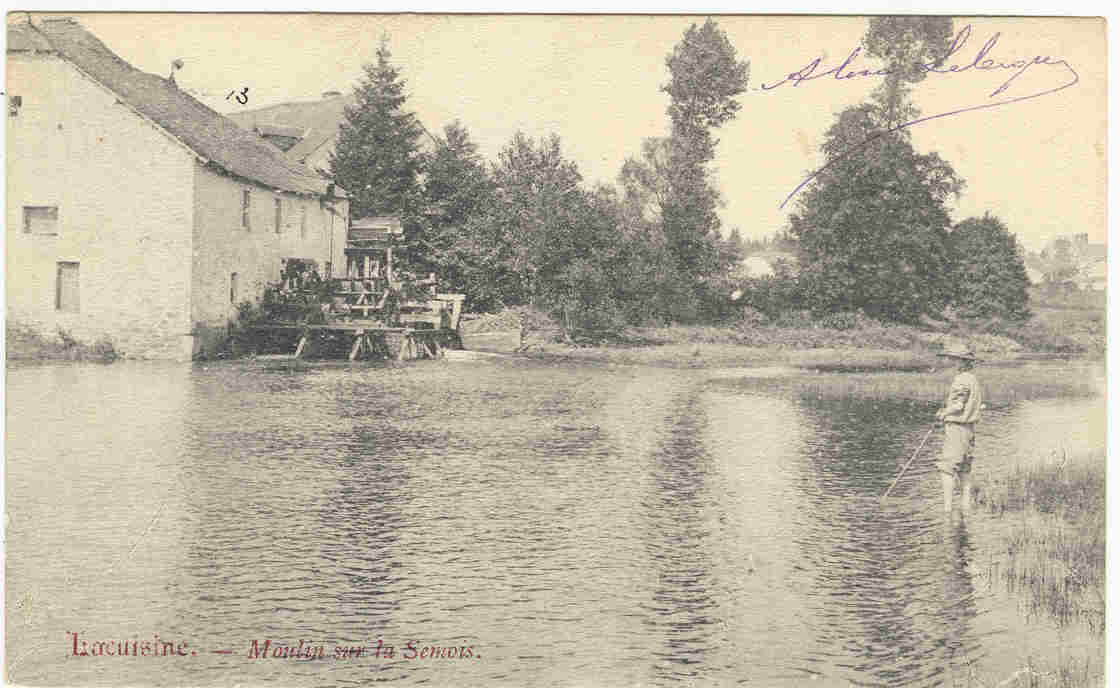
(872, 231)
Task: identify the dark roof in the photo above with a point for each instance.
(210, 135)
(1034, 262)
(319, 118)
(22, 38)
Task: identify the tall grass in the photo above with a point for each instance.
(1070, 672)
(1055, 549)
(1053, 556)
(24, 343)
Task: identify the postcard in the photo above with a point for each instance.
(554, 350)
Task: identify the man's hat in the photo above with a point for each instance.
(957, 350)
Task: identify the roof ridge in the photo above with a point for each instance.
(205, 132)
(287, 103)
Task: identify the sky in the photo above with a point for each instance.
(1038, 164)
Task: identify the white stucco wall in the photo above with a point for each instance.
(124, 195)
(222, 246)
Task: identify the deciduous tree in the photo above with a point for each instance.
(873, 224)
(457, 189)
(907, 45)
(989, 277)
(705, 79)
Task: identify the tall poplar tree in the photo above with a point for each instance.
(705, 79)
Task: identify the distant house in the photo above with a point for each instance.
(1092, 263)
(306, 131)
(136, 212)
(1036, 269)
(1073, 259)
(763, 264)
(283, 138)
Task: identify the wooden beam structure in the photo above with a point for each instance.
(367, 341)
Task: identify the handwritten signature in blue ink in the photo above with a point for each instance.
(980, 63)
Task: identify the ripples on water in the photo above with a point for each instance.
(572, 525)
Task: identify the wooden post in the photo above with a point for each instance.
(356, 349)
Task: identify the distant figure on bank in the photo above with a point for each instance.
(960, 415)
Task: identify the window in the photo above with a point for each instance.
(14, 104)
(233, 287)
(245, 209)
(40, 219)
(303, 222)
(279, 214)
(66, 294)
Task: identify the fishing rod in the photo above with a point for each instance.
(903, 471)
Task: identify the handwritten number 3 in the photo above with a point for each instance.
(242, 97)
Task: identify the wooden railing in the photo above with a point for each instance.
(357, 298)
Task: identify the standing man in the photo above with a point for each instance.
(961, 412)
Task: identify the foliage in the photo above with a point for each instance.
(907, 45)
(705, 79)
(774, 294)
(1056, 554)
(1060, 261)
(539, 199)
(377, 158)
(281, 302)
(873, 224)
(24, 343)
(1039, 336)
(457, 190)
(102, 349)
(779, 241)
(988, 277)
(535, 236)
(399, 294)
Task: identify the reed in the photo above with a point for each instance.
(1054, 550)
(1052, 554)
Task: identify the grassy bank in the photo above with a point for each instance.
(25, 345)
(861, 344)
(1056, 544)
(1003, 384)
(1053, 555)
(731, 356)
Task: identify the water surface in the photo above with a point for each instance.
(570, 524)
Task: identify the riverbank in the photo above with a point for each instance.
(867, 346)
(1052, 552)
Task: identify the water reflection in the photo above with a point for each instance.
(683, 612)
(571, 524)
(867, 565)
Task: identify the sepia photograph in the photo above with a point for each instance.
(605, 350)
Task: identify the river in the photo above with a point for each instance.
(542, 523)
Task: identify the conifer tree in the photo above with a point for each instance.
(377, 159)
